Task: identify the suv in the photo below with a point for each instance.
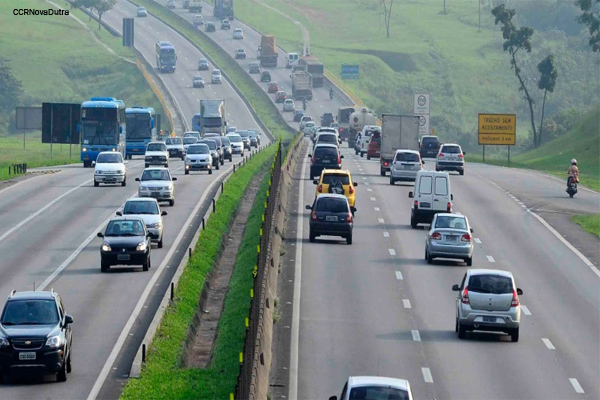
(325, 156)
(327, 119)
(450, 158)
(337, 182)
(331, 216)
(215, 76)
(35, 334)
(432, 195)
(110, 168)
(488, 300)
(429, 146)
(149, 211)
(203, 64)
(175, 147)
(156, 154)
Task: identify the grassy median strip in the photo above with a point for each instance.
(163, 375)
(590, 223)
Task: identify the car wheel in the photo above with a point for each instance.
(368, 157)
(187, 172)
(124, 183)
(456, 325)
(382, 172)
(146, 266)
(218, 165)
(230, 158)
(311, 237)
(425, 253)
(469, 261)
(172, 202)
(429, 258)
(96, 183)
(69, 365)
(223, 161)
(514, 335)
(362, 154)
(167, 166)
(210, 171)
(462, 332)
(160, 243)
(413, 222)
(392, 181)
(356, 151)
(61, 376)
(104, 267)
(349, 239)
(462, 172)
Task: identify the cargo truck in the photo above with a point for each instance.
(212, 116)
(223, 9)
(301, 85)
(358, 119)
(315, 68)
(195, 6)
(397, 132)
(267, 51)
(343, 119)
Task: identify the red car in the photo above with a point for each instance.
(374, 149)
(273, 87)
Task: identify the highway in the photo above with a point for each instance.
(377, 308)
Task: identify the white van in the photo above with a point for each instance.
(432, 195)
(291, 60)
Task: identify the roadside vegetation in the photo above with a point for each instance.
(590, 223)
(56, 59)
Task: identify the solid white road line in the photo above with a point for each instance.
(416, 335)
(386, 234)
(406, 303)
(392, 252)
(381, 221)
(548, 344)
(477, 240)
(399, 275)
(491, 259)
(427, 375)
(576, 385)
(293, 392)
(525, 310)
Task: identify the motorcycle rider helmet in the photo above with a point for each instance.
(573, 162)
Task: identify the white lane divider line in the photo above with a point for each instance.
(548, 344)
(576, 385)
(399, 276)
(377, 209)
(386, 234)
(523, 205)
(392, 252)
(381, 221)
(366, 183)
(416, 335)
(491, 259)
(369, 190)
(406, 303)
(427, 375)
(477, 240)
(525, 310)
(364, 177)
(373, 199)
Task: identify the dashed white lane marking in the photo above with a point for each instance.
(373, 199)
(548, 344)
(523, 205)
(427, 375)
(386, 234)
(525, 310)
(576, 385)
(376, 209)
(477, 240)
(364, 177)
(392, 252)
(491, 259)
(367, 183)
(399, 275)
(381, 221)
(369, 190)
(406, 303)
(416, 335)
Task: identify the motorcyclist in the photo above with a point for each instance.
(304, 104)
(573, 172)
(331, 94)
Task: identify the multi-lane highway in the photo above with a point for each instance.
(377, 308)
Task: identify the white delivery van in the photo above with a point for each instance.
(431, 195)
(291, 59)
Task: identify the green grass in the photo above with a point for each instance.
(582, 143)
(163, 375)
(590, 223)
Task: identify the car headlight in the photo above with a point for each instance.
(4, 342)
(143, 188)
(84, 149)
(106, 247)
(141, 247)
(156, 225)
(120, 172)
(54, 342)
(187, 159)
(98, 172)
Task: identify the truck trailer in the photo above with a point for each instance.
(212, 116)
(267, 51)
(397, 132)
(301, 85)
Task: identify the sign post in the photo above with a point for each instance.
(350, 71)
(421, 109)
(497, 129)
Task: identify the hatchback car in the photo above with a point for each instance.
(227, 151)
(126, 242)
(149, 211)
(273, 87)
(450, 158)
(254, 67)
(198, 81)
(337, 181)
(237, 144)
(298, 114)
(110, 168)
(265, 76)
(225, 24)
(374, 147)
(254, 138)
(308, 128)
(35, 334)
(326, 137)
(245, 135)
(304, 119)
(238, 34)
(429, 146)
(203, 64)
(240, 54)
(449, 236)
(215, 76)
(325, 156)
(405, 165)
(142, 12)
(289, 105)
(375, 387)
(214, 151)
(209, 27)
(198, 20)
(171, 4)
(198, 158)
(157, 182)
(488, 300)
(331, 216)
(156, 154)
(175, 147)
(280, 96)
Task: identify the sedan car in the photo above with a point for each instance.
(142, 12)
(238, 34)
(156, 154)
(214, 151)
(273, 87)
(254, 67)
(198, 81)
(265, 76)
(149, 211)
(488, 300)
(227, 151)
(126, 242)
(405, 165)
(35, 335)
(215, 76)
(331, 216)
(449, 236)
(175, 147)
(203, 64)
(198, 158)
(157, 182)
(110, 168)
(280, 96)
(240, 53)
(225, 24)
(450, 158)
(298, 114)
(375, 387)
(289, 105)
(254, 138)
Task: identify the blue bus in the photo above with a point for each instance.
(196, 119)
(141, 129)
(165, 56)
(102, 128)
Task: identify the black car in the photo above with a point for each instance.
(298, 114)
(227, 152)
(331, 216)
(35, 335)
(209, 27)
(219, 140)
(327, 119)
(325, 156)
(245, 138)
(254, 138)
(126, 242)
(429, 146)
(217, 156)
(265, 76)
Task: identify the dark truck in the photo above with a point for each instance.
(327, 119)
(223, 9)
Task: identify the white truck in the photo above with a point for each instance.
(397, 132)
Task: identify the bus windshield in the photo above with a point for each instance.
(167, 55)
(138, 126)
(99, 133)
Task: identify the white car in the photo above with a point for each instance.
(110, 168)
(304, 120)
(149, 211)
(142, 12)
(375, 387)
(308, 128)
(230, 129)
(215, 76)
(157, 182)
(405, 165)
(450, 158)
(198, 158)
(237, 144)
(288, 105)
(156, 154)
(238, 34)
(365, 137)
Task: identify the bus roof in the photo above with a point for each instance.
(139, 110)
(103, 102)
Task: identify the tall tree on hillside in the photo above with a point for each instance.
(387, 14)
(103, 6)
(591, 18)
(546, 83)
(10, 88)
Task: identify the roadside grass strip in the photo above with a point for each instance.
(591, 223)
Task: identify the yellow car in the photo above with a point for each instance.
(338, 181)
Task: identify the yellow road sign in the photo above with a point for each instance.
(499, 129)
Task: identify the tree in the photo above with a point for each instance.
(103, 6)
(387, 14)
(88, 4)
(546, 83)
(10, 88)
(591, 18)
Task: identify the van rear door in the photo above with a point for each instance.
(424, 193)
(441, 192)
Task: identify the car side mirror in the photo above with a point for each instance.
(451, 197)
(354, 184)
(68, 319)
(464, 153)
(410, 195)
(164, 213)
(471, 230)
(333, 398)
(100, 234)
(354, 209)
(519, 291)
(174, 178)
(455, 288)
(309, 207)
(119, 213)
(315, 181)
(341, 156)
(137, 179)
(310, 156)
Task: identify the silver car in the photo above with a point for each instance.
(405, 165)
(198, 158)
(375, 387)
(450, 158)
(449, 237)
(488, 300)
(237, 144)
(289, 105)
(149, 211)
(157, 182)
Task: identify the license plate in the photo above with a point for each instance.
(155, 194)
(425, 205)
(27, 356)
(325, 161)
(123, 257)
(331, 218)
(489, 319)
(451, 238)
(407, 166)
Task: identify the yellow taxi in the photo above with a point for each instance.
(338, 181)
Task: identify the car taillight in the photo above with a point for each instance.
(515, 299)
(314, 216)
(416, 204)
(349, 217)
(465, 296)
(466, 238)
(435, 236)
(441, 155)
(314, 159)
(351, 189)
(385, 164)
(339, 159)
(460, 156)
(449, 207)
(320, 189)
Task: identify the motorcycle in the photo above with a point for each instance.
(572, 187)
(330, 94)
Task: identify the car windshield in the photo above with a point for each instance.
(225, 141)
(203, 61)
(309, 124)
(235, 138)
(343, 178)
(492, 284)
(407, 157)
(325, 151)
(244, 134)
(450, 149)
(125, 228)
(451, 222)
(189, 140)
(198, 78)
(378, 393)
(198, 149)
(429, 141)
(140, 207)
(174, 140)
(156, 147)
(210, 143)
(332, 204)
(30, 312)
(215, 72)
(112, 158)
(155, 175)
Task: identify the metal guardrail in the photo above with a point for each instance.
(17, 169)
